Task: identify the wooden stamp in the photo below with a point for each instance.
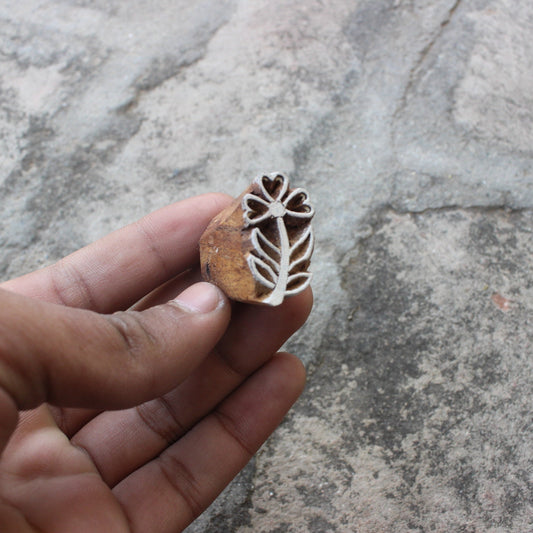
(258, 249)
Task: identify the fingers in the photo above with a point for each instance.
(166, 494)
(249, 323)
(113, 439)
(116, 271)
(80, 358)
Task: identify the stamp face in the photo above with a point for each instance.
(282, 236)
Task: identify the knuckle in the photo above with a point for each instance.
(134, 333)
(182, 481)
(233, 430)
(162, 419)
(70, 286)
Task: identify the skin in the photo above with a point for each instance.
(131, 393)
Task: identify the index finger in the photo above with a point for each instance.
(114, 272)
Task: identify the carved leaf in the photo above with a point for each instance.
(259, 242)
(302, 249)
(259, 268)
(303, 278)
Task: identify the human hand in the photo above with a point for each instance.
(136, 420)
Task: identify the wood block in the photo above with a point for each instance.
(258, 249)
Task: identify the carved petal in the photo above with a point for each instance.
(255, 209)
(265, 181)
(297, 204)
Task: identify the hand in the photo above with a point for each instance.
(135, 420)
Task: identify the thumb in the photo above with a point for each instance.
(74, 357)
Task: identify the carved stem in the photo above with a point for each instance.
(278, 293)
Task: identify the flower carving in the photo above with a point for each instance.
(275, 201)
(281, 237)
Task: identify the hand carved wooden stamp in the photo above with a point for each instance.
(259, 248)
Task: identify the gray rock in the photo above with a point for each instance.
(409, 123)
(417, 415)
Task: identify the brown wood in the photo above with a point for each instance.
(258, 249)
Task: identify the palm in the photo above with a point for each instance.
(57, 485)
(157, 465)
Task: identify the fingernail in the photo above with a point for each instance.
(199, 298)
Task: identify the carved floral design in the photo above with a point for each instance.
(282, 237)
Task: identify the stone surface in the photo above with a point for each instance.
(409, 123)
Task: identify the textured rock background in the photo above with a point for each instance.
(410, 123)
